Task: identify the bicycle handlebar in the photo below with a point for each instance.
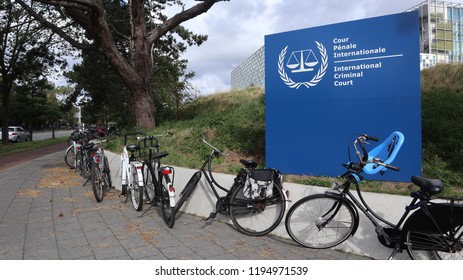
(363, 155)
(152, 138)
(214, 149)
(388, 166)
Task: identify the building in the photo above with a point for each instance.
(441, 41)
(251, 72)
(441, 32)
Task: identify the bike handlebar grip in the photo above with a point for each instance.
(372, 138)
(395, 168)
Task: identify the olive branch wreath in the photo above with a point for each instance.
(321, 72)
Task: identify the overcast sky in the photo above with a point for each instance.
(237, 28)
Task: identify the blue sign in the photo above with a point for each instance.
(326, 84)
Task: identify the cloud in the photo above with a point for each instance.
(236, 29)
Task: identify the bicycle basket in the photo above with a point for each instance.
(259, 183)
(386, 152)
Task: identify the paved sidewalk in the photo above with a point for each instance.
(46, 213)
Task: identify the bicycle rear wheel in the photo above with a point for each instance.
(256, 217)
(107, 174)
(167, 211)
(136, 190)
(97, 182)
(319, 221)
(149, 181)
(434, 246)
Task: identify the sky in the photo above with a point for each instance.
(237, 28)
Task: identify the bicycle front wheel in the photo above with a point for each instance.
(70, 157)
(136, 190)
(434, 246)
(167, 211)
(97, 182)
(320, 222)
(256, 217)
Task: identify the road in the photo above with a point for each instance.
(48, 134)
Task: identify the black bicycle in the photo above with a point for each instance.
(433, 229)
(100, 172)
(83, 161)
(158, 179)
(256, 202)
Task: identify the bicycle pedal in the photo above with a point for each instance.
(211, 216)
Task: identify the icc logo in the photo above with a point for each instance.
(301, 61)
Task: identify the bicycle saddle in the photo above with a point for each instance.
(430, 186)
(133, 147)
(88, 146)
(385, 151)
(248, 163)
(160, 154)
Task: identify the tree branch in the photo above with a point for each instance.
(55, 28)
(177, 19)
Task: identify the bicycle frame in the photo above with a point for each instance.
(161, 170)
(126, 169)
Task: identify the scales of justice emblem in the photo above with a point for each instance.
(299, 60)
(303, 61)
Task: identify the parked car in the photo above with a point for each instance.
(17, 134)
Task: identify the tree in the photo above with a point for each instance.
(94, 77)
(147, 26)
(25, 53)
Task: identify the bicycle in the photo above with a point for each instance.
(70, 153)
(76, 155)
(100, 172)
(426, 230)
(83, 160)
(256, 201)
(131, 173)
(158, 179)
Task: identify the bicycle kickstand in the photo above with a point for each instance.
(144, 212)
(88, 179)
(394, 252)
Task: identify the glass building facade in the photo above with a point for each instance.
(441, 31)
(250, 73)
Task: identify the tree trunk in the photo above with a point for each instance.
(5, 110)
(143, 107)
(142, 100)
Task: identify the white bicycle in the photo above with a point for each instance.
(131, 173)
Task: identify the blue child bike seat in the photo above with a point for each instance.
(386, 151)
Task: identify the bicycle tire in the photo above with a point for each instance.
(70, 157)
(433, 246)
(256, 217)
(167, 210)
(97, 182)
(136, 191)
(86, 165)
(308, 223)
(149, 182)
(107, 174)
(188, 190)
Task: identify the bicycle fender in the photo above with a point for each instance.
(139, 166)
(191, 185)
(349, 204)
(436, 218)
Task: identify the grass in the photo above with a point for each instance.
(26, 146)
